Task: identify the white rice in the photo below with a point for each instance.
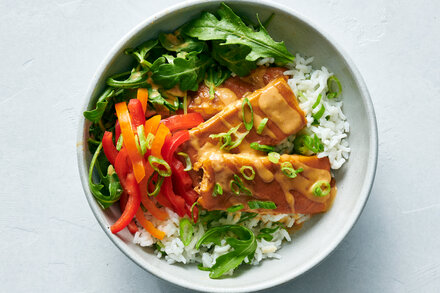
(307, 83)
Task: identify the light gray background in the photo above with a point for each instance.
(50, 240)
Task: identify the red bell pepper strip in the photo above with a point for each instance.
(133, 203)
(184, 121)
(142, 96)
(122, 203)
(136, 157)
(171, 145)
(122, 168)
(148, 204)
(136, 113)
(177, 201)
(109, 148)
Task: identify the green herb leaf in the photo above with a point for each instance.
(232, 30)
(233, 57)
(186, 231)
(215, 76)
(96, 114)
(246, 216)
(187, 72)
(109, 189)
(244, 244)
(141, 52)
(176, 42)
(257, 204)
(134, 79)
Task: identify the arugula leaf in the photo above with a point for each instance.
(233, 57)
(109, 189)
(215, 76)
(187, 72)
(244, 245)
(176, 42)
(135, 79)
(232, 30)
(96, 114)
(142, 52)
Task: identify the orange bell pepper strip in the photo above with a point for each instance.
(159, 139)
(142, 96)
(152, 124)
(148, 225)
(148, 204)
(136, 158)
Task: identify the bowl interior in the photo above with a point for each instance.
(323, 233)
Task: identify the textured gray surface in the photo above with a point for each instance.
(50, 240)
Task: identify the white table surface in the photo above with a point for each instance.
(50, 240)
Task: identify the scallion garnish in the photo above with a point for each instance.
(307, 145)
(262, 147)
(317, 190)
(333, 82)
(274, 157)
(150, 138)
(155, 162)
(119, 143)
(142, 139)
(235, 208)
(243, 171)
(192, 208)
(226, 138)
(218, 190)
(187, 161)
(257, 204)
(289, 171)
(319, 114)
(262, 125)
(186, 231)
(185, 103)
(157, 185)
(318, 100)
(250, 124)
(237, 186)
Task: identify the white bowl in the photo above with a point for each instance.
(323, 233)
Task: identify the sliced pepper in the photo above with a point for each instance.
(109, 148)
(132, 206)
(136, 113)
(122, 203)
(136, 158)
(184, 121)
(142, 96)
(159, 139)
(152, 124)
(148, 226)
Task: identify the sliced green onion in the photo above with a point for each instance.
(262, 147)
(262, 125)
(226, 138)
(319, 114)
(192, 208)
(250, 124)
(318, 100)
(138, 145)
(317, 191)
(142, 139)
(246, 216)
(257, 204)
(235, 208)
(186, 231)
(218, 190)
(237, 186)
(150, 138)
(289, 171)
(307, 145)
(155, 161)
(157, 185)
(243, 172)
(187, 160)
(274, 157)
(119, 143)
(331, 83)
(202, 268)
